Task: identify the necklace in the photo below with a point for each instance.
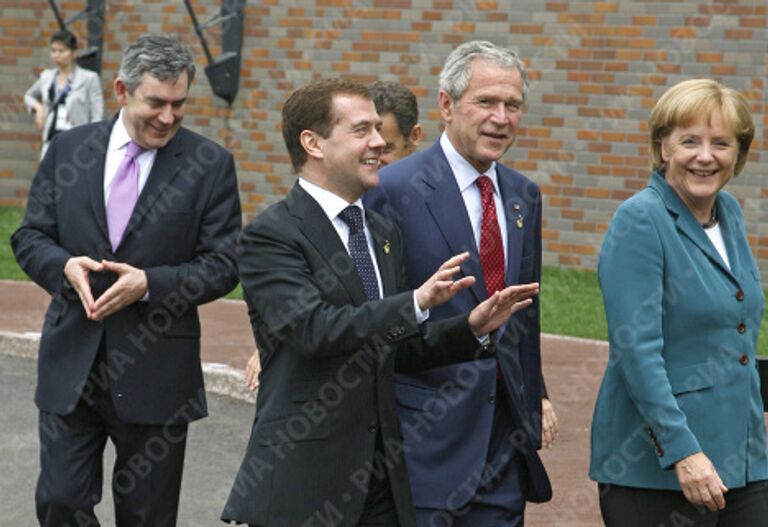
(712, 218)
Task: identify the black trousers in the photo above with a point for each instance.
(633, 507)
(146, 478)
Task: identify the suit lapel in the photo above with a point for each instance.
(447, 208)
(97, 146)
(319, 231)
(515, 216)
(164, 170)
(687, 224)
(384, 259)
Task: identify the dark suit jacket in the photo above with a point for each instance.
(420, 194)
(182, 233)
(328, 357)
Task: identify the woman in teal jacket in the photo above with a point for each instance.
(678, 434)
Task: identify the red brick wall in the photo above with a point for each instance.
(596, 70)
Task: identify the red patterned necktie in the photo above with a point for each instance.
(491, 245)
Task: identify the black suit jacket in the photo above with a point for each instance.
(328, 358)
(182, 233)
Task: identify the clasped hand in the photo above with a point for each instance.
(131, 285)
(488, 315)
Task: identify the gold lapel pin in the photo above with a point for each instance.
(519, 221)
(386, 247)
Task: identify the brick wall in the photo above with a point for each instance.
(596, 68)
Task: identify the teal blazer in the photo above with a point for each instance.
(681, 376)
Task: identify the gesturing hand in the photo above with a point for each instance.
(131, 285)
(700, 481)
(76, 271)
(490, 314)
(440, 287)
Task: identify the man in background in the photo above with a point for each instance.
(399, 113)
(130, 225)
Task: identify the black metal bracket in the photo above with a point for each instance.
(89, 57)
(223, 72)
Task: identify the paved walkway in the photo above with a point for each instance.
(572, 367)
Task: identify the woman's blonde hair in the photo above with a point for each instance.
(684, 101)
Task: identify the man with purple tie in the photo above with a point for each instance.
(130, 225)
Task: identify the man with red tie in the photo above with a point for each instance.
(131, 224)
(475, 464)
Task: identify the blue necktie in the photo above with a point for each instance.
(358, 250)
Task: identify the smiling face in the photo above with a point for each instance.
(700, 159)
(483, 123)
(152, 114)
(350, 154)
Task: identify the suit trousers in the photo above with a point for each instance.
(146, 478)
(634, 507)
(500, 498)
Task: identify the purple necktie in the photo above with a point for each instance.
(124, 193)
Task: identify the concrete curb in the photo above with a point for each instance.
(219, 378)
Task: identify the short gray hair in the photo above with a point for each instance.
(162, 56)
(454, 79)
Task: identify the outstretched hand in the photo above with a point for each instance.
(440, 287)
(490, 314)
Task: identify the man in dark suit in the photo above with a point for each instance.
(130, 225)
(477, 463)
(331, 317)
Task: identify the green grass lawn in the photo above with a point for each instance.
(570, 298)
(10, 219)
(571, 303)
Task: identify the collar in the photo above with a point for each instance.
(331, 204)
(119, 137)
(463, 171)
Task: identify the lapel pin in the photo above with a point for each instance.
(519, 221)
(516, 206)
(386, 247)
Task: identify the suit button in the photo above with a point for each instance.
(741, 328)
(740, 295)
(744, 360)
(491, 399)
(372, 428)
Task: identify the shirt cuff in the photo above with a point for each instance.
(421, 316)
(484, 340)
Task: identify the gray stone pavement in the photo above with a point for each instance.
(572, 367)
(214, 450)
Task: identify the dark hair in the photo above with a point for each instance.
(162, 56)
(67, 38)
(310, 108)
(393, 97)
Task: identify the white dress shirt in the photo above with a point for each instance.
(716, 237)
(118, 142)
(466, 176)
(332, 205)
